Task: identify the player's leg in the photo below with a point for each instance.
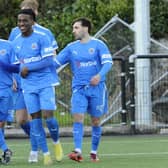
(10, 118)
(79, 107)
(5, 103)
(11, 112)
(53, 128)
(96, 137)
(51, 122)
(23, 119)
(37, 132)
(21, 112)
(76, 154)
(97, 106)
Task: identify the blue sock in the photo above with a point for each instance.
(10, 117)
(38, 133)
(53, 128)
(3, 144)
(3, 131)
(96, 136)
(33, 141)
(78, 135)
(26, 127)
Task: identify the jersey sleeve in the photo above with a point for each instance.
(105, 55)
(37, 65)
(46, 48)
(15, 31)
(63, 56)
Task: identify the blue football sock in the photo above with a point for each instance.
(78, 135)
(10, 117)
(3, 131)
(53, 128)
(96, 136)
(26, 127)
(38, 133)
(33, 143)
(3, 144)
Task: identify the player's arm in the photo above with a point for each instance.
(35, 66)
(62, 59)
(10, 67)
(106, 62)
(46, 52)
(104, 70)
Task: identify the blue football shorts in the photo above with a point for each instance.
(91, 99)
(18, 100)
(40, 99)
(6, 102)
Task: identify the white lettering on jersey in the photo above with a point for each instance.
(48, 49)
(106, 56)
(32, 59)
(88, 64)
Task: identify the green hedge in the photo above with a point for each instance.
(58, 15)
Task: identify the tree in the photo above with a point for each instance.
(58, 15)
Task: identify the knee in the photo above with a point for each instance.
(95, 121)
(78, 118)
(36, 115)
(21, 121)
(48, 114)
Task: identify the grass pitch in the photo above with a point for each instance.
(114, 152)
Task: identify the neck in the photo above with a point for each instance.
(28, 33)
(85, 39)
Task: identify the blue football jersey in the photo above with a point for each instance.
(36, 27)
(31, 49)
(86, 59)
(16, 32)
(6, 56)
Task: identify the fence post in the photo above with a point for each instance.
(132, 92)
(123, 93)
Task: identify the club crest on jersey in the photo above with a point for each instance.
(91, 50)
(2, 52)
(34, 46)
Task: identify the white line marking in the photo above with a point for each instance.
(113, 155)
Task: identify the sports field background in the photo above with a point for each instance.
(141, 151)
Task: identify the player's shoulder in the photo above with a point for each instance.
(40, 37)
(38, 33)
(98, 42)
(5, 44)
(73, 43)
(15, 29)
(41, 28)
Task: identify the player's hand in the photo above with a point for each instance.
(95, 80)
(24, 72)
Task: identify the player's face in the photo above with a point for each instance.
(25, 23)
(79, 31)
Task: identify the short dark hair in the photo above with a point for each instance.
(28, 12)
(84, 22)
